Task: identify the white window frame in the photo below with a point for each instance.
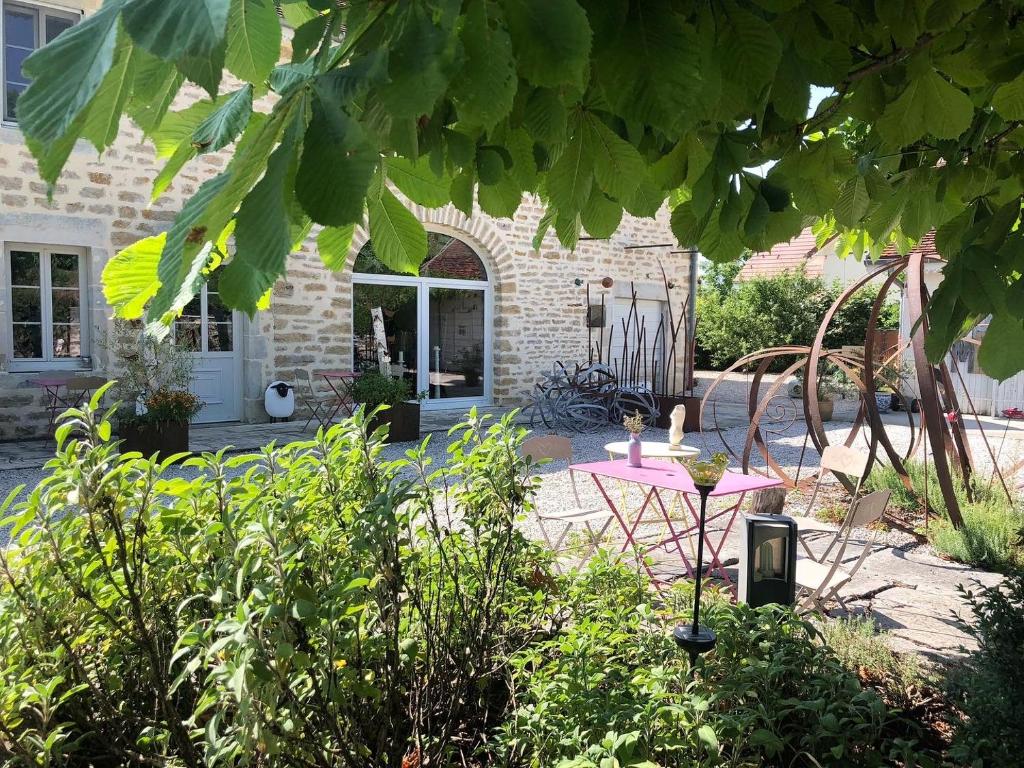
(41, 11)
(48, 362)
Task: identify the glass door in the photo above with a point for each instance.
(457, 341)
(399, 305)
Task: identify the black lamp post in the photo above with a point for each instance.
(694, 639)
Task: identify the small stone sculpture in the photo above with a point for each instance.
(675, 432)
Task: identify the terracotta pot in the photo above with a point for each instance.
(665, 405)
(163, 437)
(403, 420)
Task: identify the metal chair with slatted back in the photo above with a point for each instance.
(319, 404)
(820, 580)
(837, 459)
(557, 448)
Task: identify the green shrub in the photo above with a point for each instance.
(318, 609)
(862, 649)
(990, 537)
(991, 534)
(990, 686)
(780, 310)
(373, 389)
(612, 688)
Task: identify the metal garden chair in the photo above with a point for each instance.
(838, 459)
(320, 404)
(820, 581)
(557, 448)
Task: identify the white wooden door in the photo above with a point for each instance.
(210, 330)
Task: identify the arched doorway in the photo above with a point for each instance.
(437, 325)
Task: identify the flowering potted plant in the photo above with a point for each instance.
(402, 413)
(163, 426)
(153, 377)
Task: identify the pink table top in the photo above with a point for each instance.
(338, 374)
(673, 476)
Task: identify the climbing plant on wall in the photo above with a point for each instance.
(597, 106)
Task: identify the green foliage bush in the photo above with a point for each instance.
(991, 536)
(774, 311)
(612, 689)
(316, 605)
(990, 686)
(320, 608)
(373, 388)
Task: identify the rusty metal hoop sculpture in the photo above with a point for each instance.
(946, 438)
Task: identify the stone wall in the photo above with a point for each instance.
(102, 204)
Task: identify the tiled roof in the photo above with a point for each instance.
(801, 251)
(456, 261)
(926, 246)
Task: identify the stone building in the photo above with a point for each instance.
(478, 325)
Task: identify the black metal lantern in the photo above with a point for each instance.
(768, 560)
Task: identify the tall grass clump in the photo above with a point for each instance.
(991, 536)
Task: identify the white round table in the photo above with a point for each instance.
(653, 450)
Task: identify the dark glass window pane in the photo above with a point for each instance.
(24, 268)
(215, 308)
(66, 306)
(398, 305)
(219, 337)
(451, 259)
(14, 57)
(456, 343)
(25, 305)
(19, 28)
(12, 100)
(67, 340)
(187, 334)
(55, 25)
(28, 341)
(192, 311)
(64, 270)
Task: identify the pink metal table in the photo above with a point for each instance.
(340, 383)
(660, 477)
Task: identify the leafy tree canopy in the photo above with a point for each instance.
(597, 106)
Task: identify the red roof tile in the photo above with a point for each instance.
(925, 246)
(801, 251)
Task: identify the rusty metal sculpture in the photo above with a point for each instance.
(946, 438)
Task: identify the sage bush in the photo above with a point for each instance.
(310, 605)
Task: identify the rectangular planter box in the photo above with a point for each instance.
(165, 437)
(403, 420)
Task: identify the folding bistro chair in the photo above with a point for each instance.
(558, 448)
(820, 581)
(837, 459)
(319, 403)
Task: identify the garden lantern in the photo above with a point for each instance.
(694, 639)
(768, 560)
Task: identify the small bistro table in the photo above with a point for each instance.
(340, 383)
(652, 449)
(661, 477)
